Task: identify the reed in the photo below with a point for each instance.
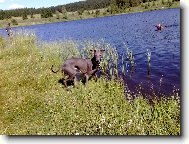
(148, 56)
(149, 60)
(109, 62)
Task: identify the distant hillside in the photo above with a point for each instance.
(77, 6)
(82, 5)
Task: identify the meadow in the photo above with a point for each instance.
(34, 102)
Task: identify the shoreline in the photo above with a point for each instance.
(101, 16)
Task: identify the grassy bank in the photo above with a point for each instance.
(32, 101)
(59, 17)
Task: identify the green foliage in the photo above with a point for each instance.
(6, 15)
(2, 15)
(14, 22)
(46, 13)
(24, 16)
(112, 6)
(104, 13)
(146, 6)
(31, 15)
(88, 12)
(63, 10)
(80, 12)
(153, 3)
(169, 3)
(163, 2)
(97, 12)
(57, 15)
(134, 3)
(87, 5)
(65, 17)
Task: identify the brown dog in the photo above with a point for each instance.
(86, 66)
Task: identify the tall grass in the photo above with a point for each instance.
(109, 62)
(149, 60)
(33, 102)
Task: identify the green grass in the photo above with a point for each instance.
(33, 102)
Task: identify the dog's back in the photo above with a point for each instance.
(86, 66)
(78, 63)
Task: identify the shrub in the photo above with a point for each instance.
(46, 13)
(153, 3)
(169, 3)
(57, 15)
(24, 16)
(163, 2)
(65, 16)
(14, 22)
(97, 12)
(146, 6)
(80, 12)
(31, 16)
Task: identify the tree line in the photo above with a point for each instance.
(72, 7)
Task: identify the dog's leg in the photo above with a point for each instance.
(93, 74)
(70, 78)
(96, 77)
(86, 78)
(75, 81)
(105, 74)
(65, 83)
(71, 72)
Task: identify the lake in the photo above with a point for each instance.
(137, 30)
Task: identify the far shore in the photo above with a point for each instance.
(37, 20)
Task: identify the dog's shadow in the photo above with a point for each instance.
(68, 82)
(71, 82)
(80, 77)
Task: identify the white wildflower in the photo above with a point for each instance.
(103, 119)
(129, 122)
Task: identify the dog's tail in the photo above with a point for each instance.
(53, 70)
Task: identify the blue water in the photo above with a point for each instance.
(138, 32)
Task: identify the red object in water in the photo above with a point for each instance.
(159, 26)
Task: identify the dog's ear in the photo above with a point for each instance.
(102, 50)
(92, 51)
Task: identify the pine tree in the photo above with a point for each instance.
(24, 16)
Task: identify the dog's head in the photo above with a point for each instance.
(97, 56)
